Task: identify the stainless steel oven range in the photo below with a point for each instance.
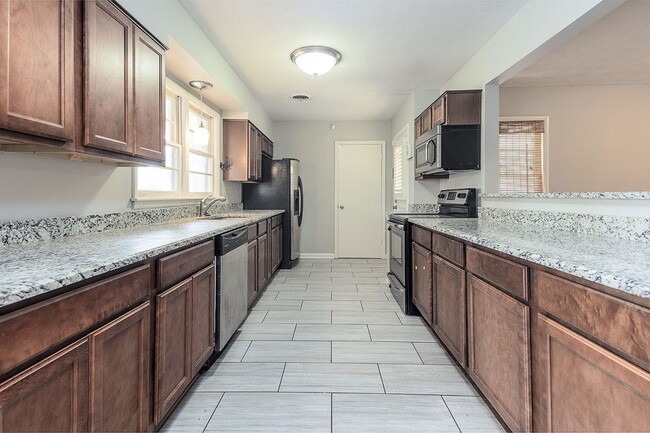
(452, 203)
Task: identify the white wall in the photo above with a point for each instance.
(313, 144)
(34, 187)
(596, 141)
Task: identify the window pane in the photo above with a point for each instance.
(200, 163)
(173, 157)
(200, 183)
(158, 179)
(171, 118)
(194, 122)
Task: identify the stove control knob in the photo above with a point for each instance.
(441, 195)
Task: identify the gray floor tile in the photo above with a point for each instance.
(365, 317)
(410, 320)
(306, 331)
(256, 316)
(374, 352)
(359, 296)
(240, 377)
(272, 413)
(304, 296)
(355, 413)
(307, 280)
(400, 333)
(267, 296)
(289, 351)
(362, 378)
(354, 280)
(297, 287)
(425, 379)
(193, 413)
(331, 287)
(266, 331)
(332, 305)
(277, 306)
(298, 317)
(380, 306)
(472, 414)
(432, 353)
(234, 351)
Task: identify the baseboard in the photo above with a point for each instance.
(316, 255)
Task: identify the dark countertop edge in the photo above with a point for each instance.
(78, 280)
(595, 285)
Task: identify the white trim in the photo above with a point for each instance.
(405, 165)
(316, 255)
(546, 151)
(337, 145)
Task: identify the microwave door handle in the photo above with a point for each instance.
(426, 152)
(429, 161)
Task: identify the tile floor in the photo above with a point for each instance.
(327, 349)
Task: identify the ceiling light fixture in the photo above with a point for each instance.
(201, 135)
(315, 60)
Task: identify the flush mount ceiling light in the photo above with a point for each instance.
(201, 135)
(315, 60)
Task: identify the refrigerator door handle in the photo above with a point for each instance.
(301, 201)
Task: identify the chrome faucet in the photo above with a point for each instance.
(206, 204)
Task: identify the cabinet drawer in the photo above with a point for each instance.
(448, 248)
(262, 227)
(175, 267)
(509, 276)
(252, 232)
(594, 313)
(421, 236)
(277, 220)
(40, 327)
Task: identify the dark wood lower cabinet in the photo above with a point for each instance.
(499, 352)
(262, 260)
(582, 387)
(120, 369)
(422, 282)
(51, 396)
(450, 307)
(252, 271)
(203, 316)
(173, 346)
(276, 250)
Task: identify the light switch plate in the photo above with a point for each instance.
(409, 151)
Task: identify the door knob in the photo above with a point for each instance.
(341, 207)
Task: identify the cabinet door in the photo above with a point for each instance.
(50, 396)
(173, 346)
(37, 67)
(418, 127)
(270, 257)
(440, 111)
(262, 260)
(120, 360)
(252, 146)
(252, 271)
(426, 119)
(449, 307)
(422, 284)
(149, 94)
(277, 247)
(203, 315)
(108, 77)
(581, 387)
(499, 352)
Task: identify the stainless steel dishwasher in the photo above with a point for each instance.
(232, 289)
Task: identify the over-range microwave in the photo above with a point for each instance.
(447, 149)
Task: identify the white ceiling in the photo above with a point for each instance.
(389, 48)
(615, 50)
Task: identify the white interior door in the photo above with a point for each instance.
(360, 199)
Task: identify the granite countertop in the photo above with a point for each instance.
(622, 265)
(35, 268)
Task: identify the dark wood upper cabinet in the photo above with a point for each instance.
(149, 94)
(108, 78)
(426, 120)
(51, 396)
(582, 387)
(422, 281)
(203, 316)
(37, 68)
(454, 107)
(173, 346)
(439, 108)
(243, 145)
(450, 307)
(499, 352)
(120, 371)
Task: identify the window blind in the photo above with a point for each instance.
(397, 171)
(520, 156)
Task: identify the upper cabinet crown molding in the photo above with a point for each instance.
(102, 100)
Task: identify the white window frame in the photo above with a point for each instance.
(545, 142)
(213, 121)
(403, 197)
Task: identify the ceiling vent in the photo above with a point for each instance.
(300, 97)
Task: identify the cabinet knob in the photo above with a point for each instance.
(341, 207)
(416, 268)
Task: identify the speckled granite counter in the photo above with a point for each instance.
(36, 268)
(622, 265)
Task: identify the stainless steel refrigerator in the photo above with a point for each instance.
(281, 188)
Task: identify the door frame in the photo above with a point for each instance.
(337, 146)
